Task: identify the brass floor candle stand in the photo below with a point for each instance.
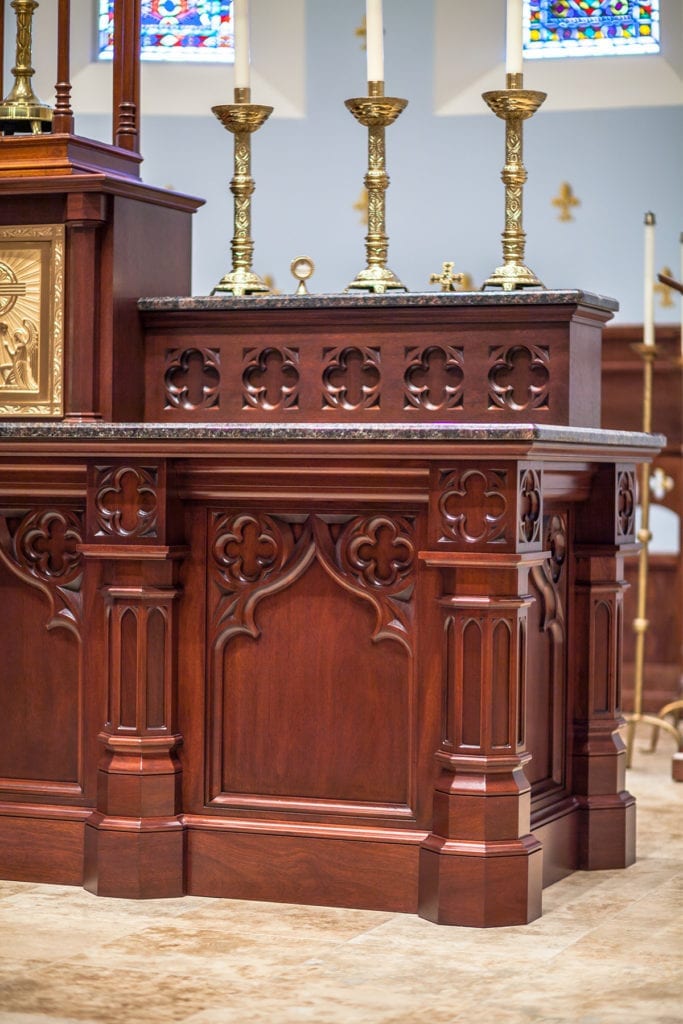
(376, 111)
(242, 118)
(21, 110)
(648, 354)
(513, 105)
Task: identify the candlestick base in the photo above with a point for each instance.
(377, 280)
(241, 281)
(511, 276)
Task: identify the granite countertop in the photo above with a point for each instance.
(94, 431)
(356, 300)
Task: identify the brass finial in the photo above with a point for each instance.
(21, 110)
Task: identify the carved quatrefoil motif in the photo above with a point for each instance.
(351, 378)
(519, 377)
(626, 505)
(379, 551)
(46, 544)
(530, 507)
(247, 547)
(192, 378)
(126, 501)
(270, 379)
(434, 378)
(472, 506)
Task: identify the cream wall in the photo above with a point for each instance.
(613, 128)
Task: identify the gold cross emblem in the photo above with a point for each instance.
(362, 32)
(447, 279)
(565, 200)
(664, 291)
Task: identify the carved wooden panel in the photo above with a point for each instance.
(292, 719)
(41, 699)
(626, 505)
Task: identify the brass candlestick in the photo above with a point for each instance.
(514, 105)
(242, 118)
(648, 354)
(376, 111)
(21, 110)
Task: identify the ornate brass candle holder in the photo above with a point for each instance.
(514, 105)
(242, 118)
(376, 111)
(21, 110)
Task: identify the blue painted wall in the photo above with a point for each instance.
(446, 198)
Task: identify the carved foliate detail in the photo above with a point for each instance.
(351, 378)
(192, 378)
(519, 377)
(270, 379)
(126, 501)
(254, 555)
(530, 506)
(473, 506)
(42, 550)
(434, 378)
(626, 505)
(548, 576)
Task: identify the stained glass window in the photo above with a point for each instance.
(175, 30)
(584, 28)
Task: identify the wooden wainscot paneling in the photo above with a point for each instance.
(134, 840)
(42, 701)
(605, 532)
(485, 528)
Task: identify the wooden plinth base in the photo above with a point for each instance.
(677, 768)
(607, 832)
(142, 860)
(495, 884)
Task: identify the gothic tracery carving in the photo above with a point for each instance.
(352, 378)
(192, 378)
(519, 377)
(126, 501)
(434, 378)
(270, 378)
(473, 506)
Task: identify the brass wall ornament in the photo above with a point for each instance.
(376, 112)
(31, 320)
(513, 105)
(242, 118)
(21, 110)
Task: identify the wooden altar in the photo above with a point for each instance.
(314, 599)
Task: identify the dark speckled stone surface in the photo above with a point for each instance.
(304, 432)
(353, 300)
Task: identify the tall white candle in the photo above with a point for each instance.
(649, 281)
(374, 39)
(513, 40)
(240, 13)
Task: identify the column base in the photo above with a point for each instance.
(677, 768)
(481, 885)
(134, 859)
(607, 831)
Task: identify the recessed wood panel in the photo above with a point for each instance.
(314, 707)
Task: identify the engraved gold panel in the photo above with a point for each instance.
(31, 320)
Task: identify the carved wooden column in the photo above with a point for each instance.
(480, 865)
(605, 532)
(134, 840)
(85, 215)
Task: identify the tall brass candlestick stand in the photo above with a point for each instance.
(648, 354)
(21, 110)
(242, 118)
(514, 105)
(376, 111)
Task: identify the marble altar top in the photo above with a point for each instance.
(351, 300)
(532, 433)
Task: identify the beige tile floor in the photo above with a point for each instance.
(608, 950)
